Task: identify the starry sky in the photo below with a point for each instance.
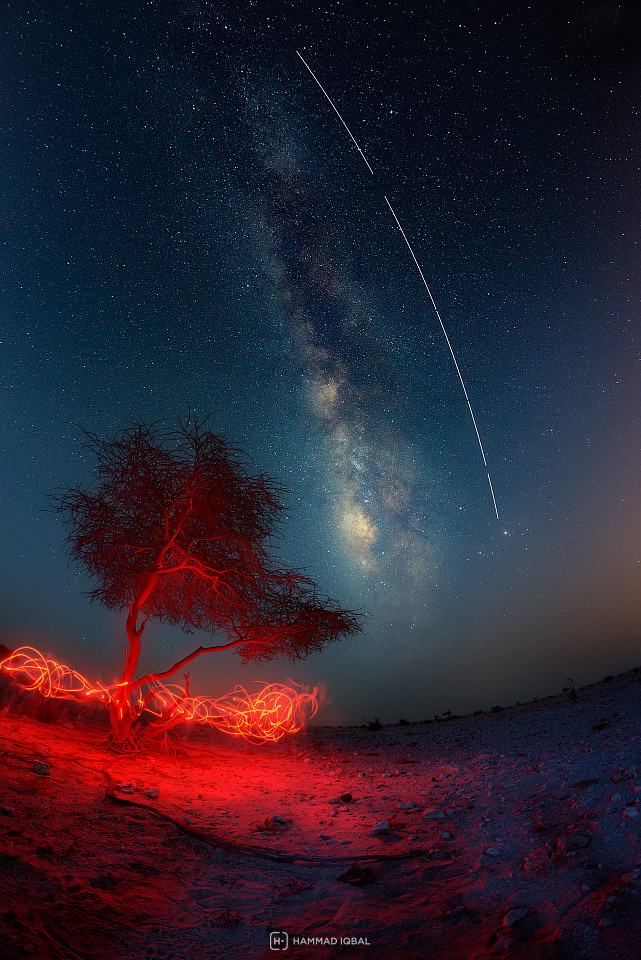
(187, 225)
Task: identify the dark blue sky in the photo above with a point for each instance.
(186, 225)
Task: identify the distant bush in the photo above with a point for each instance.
(403, 722)
(497, 709)
(374, 725)
(606, 679)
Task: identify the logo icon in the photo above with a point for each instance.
(278, 940)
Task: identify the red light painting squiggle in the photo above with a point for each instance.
(265, 716)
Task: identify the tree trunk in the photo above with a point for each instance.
(123, 714)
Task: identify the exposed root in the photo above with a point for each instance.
(248, 849)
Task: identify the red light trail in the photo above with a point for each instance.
(265, 716)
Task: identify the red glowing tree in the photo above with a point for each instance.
(174, 528)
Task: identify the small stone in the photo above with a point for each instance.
(433, 814)
(575, 841)
(406, 806)
(125, 787)
(514, 915)
(380, 829)
(630, 812)
(445, 835)
(277, 819)
(492, 852)
(152, 793)
(9, 811)
(615, 797)
(43, 770)
(28, 948)
(334, 800)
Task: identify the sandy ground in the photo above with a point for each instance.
(516, 835)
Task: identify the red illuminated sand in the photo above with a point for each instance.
(533, 849)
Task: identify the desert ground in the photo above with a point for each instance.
(513, 833)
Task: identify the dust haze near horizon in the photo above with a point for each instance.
(188, 226)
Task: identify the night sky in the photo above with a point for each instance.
(186, 225)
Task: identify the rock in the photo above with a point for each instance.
(630, 812)
(347, 798)
(433, 814)
(272, 825)
(445, 835)
(492, 852)
(615, 797)
(406, 806)
(380, 829)
(124, 787)
(9, 811)
(514, 915)
(334, 800)
(575, 841)
(358, 876)
(42, 769)
(152, 793)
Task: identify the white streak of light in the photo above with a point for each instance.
(335, 109)
(418, 267)
(458, 369)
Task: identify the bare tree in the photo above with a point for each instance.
(174, 528)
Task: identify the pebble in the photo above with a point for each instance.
(445, 835)
(630, 812)
(433, 814)
(152, 793)
(513, 915)
(42, 769)
(492, 852)
(9, 811)
(406, 806)
(379, 829)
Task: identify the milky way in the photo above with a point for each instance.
(342, 347)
